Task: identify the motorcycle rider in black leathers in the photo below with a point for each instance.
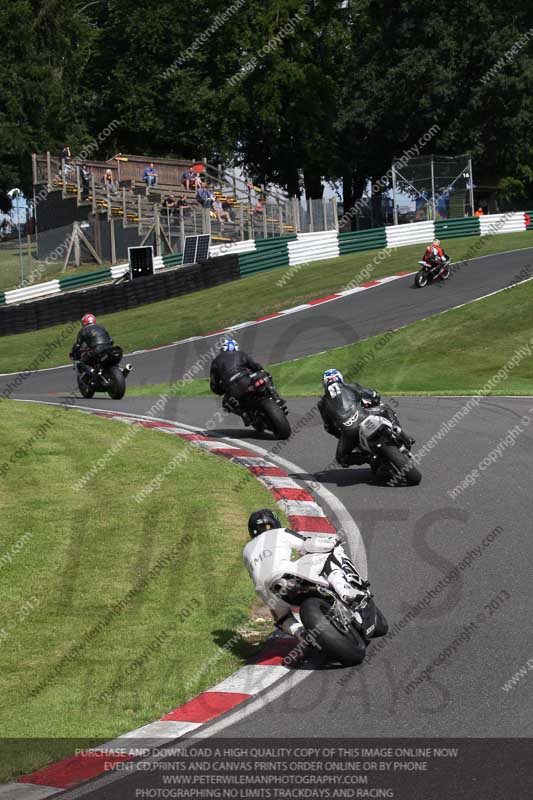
(92, 341)
(228, 376)
(338, 394)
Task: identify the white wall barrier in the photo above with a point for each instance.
(31, 292)
(313, 247)
(411, 233)
(502, 223)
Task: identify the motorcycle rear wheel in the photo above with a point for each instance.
(117, 388)
(348, 648)
(275, 418)
(85, 390)
(400, 465)
(421, 279)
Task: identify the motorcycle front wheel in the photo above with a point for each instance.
(85, 390)
(421, 279)
(347, 647)
(275, 419)
(117, 384)
(400, 465)
(445, 274)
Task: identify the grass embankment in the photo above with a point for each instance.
(238, 301)
(34, 270)
(67, 557)
(452, 353)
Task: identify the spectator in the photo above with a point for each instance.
(226, 206)
(190, 176)
(150, 176)
(182, 203)
(259, 207)
(108, 182)
(205, 196)
(169, 201)
(85, 177)
(66, 158)
(479, 212)
(221, 214)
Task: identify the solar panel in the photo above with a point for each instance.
(196, 249)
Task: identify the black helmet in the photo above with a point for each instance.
(261, 521)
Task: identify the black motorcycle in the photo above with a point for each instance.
(258, 404)
(431, 272)
(105, 376)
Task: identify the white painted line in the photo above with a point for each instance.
(26, 791)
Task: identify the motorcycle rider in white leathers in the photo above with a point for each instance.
(268, 556)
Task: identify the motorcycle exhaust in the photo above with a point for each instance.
(127, 369)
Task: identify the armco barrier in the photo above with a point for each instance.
(110, 298)
(268, 254)
(412, 233)
(501, 223)
(455, 228)
(358, 241)
(313, 247)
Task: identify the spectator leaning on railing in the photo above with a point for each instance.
(85, 177)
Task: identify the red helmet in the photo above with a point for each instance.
(88, 319)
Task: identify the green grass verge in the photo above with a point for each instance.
(238, 301)
(82, 551)
(10, 268)
(452, 353)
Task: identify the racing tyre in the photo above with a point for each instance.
(347, 647)
(445, 274)
(421, 279)
(400, 465)
(85, 390)
(276, 420)
(382, 626)
(117, 388)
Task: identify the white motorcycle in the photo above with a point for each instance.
(339, 630)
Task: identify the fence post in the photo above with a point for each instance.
(265, 224)
(241, 221)
(34, 168)
(325, 215)
(139, 214)
(157, 220)
(93, 191)
(394, 195)
(182, 230)
(48, 170)
(310, 209)
(113, 243)
(280, 207)
(335, 212)
(78, 185)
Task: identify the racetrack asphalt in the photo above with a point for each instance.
(415, 536)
